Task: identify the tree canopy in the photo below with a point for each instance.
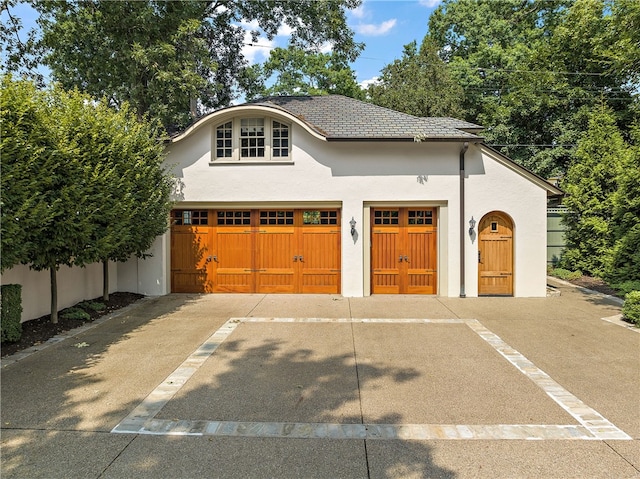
(176, 60)
(418, 84)
(532, 71)
(295, 71)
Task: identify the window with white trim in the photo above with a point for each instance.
(280, 133)
(224, 140)
(252, 139)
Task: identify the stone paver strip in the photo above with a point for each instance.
(592, 425)
(585, 415)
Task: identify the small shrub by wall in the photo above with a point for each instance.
(11, 312)
(565, 274)
(631, 308)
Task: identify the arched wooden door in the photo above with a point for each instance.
(495, 255)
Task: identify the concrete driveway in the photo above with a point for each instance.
(190, 386)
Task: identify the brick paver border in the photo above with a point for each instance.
(591, 424)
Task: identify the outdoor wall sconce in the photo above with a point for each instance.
(472, 225)
(353, 226)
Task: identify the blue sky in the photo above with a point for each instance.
(384, 26)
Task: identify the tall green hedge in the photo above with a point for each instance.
(11, 311)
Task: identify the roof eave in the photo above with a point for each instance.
(404, 139)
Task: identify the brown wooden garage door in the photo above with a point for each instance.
(262, 251)
(403, 251)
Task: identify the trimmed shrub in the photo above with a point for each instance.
(11, 312)
(626, 287)
(92, 306)
(631, 308)
(565, 274)
(75, 313)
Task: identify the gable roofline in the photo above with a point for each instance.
(340, 118)
(552, 190)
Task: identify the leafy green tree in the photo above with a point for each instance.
(532, 71)
(298, 72)
(17, 47)
(140, 198)
(623, 40)
(50, 213)
(625, 264)
(128, 184)
(418, 84)
(25, 145)
(81, 181)
(175, 60)
(591, 183)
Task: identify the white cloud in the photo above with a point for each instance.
(326, 47)
(257, 51)
(360, 12)
(430, 3)
(364, 84)
(252, 25)
(285, 30)
(373, 30)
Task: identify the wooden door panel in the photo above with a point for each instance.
(233, 260)
(421, 261)
(190, 250)
(403, 255)
(495, 259)
(274, 265)
(385, 260)
(319, 267)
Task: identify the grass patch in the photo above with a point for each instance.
(565, 274)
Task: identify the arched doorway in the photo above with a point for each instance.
(495, 255)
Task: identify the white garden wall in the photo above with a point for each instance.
(74, 285)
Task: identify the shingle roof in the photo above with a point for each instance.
(338, 117)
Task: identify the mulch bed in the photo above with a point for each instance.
(596, 284)
(38, 331)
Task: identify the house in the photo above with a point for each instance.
(331, 195)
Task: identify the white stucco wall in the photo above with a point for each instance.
(74, 285)
(148, 276)
(357, 176)
(493, 187)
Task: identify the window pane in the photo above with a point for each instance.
(252, 137)
(280, 145)
(224, 146)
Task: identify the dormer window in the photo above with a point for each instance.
(252, 140)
